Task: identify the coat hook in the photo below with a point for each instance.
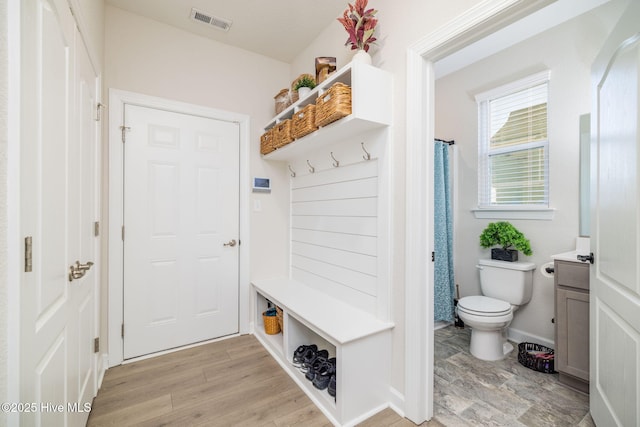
(336, 162)
(367, 156)
(311, 168)
(293, 174)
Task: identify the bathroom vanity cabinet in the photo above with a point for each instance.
(572, 323)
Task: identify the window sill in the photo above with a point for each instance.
(545, 214)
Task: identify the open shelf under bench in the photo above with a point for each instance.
(360, 342)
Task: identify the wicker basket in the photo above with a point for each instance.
(536, 357)
(283, 100)
(280, 317)
(282, 134)
(333, 105)
(266, 141)
(304, 122)
(271, 324)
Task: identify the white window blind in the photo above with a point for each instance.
(513, 161)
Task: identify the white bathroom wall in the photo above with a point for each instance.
(567, 51)
(148, 57)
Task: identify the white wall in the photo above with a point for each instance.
(568, 51)
(148, 57)
(399, 28)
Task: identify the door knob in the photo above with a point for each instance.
(77, 270)
(231, 243)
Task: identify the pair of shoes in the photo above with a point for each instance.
(315, 366)
(300, 352)
(332, 386)
(310, 358)
(325, 371)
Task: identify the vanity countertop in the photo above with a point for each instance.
(569, 256)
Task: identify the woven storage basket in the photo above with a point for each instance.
(280, 317)
(271, 325)
(283, 100)
(266, 142)
(536, 357)
(334, 104)
(282, 134)
(304, 122)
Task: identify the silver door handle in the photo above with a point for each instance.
(231, 243)
(77, 270)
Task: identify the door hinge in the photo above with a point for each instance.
(122, 331)
(99, 108)
(28, 254)
(433, 257)
(96, 344)
(96, 228)
(124, 130)
(123, 233)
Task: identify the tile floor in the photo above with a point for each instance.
(472, 392)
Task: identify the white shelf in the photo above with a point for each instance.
(371, 108)
(360, 342)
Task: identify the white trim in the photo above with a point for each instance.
(482, 19)
(517, 86)
(117, 100)
(519, 336)
(396, 401)
(544, 214)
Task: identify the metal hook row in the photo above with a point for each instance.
(336, 162)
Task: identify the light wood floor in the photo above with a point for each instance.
(235, 382)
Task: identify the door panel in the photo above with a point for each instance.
(58, 188)
(615, 284)
(181, 205)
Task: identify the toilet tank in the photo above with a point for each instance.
(508, 281)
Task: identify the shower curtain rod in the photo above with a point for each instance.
(451, 142)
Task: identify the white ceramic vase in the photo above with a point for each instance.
(362, 56)
(303, 92)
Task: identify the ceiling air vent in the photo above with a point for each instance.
(207, 18)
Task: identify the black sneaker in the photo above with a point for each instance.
(332, 386)
(315, 367)
(323, 376)
(310, 357)
(298, 354)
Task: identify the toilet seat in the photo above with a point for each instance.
(479, 305)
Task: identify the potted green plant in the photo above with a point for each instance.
(304, 85)
(505, 235)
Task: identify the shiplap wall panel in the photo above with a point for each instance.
(334, 232)
(346, 242)
(367, 264)
(348, 295)
(363, 226)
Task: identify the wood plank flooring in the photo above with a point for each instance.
(235, 382)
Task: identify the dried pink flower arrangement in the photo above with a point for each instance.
(360, 24)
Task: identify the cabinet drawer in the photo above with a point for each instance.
(573, 274)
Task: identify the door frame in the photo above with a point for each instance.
(485, 18)
(117, 100)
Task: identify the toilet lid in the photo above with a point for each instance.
(482, 305)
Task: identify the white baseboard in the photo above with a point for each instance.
(396, 401)
(518, 336)
(103, 369)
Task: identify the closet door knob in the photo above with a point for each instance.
(231, 243)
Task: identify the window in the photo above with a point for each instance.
(513, 152)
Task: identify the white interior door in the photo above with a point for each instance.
(56, 315)
(615, 278)
(181, 228)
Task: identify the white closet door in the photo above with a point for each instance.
(181, 228)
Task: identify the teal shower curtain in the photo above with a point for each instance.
(443, 236)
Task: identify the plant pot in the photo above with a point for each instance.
(500, 254)
(303, 92)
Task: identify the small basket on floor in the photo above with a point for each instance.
(536, 357)
(271, 325)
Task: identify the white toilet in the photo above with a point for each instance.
(505, 287)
